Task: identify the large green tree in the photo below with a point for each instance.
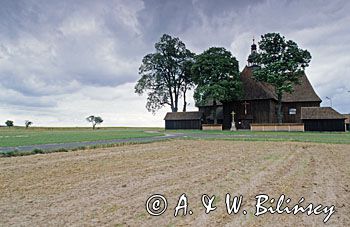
(166, 74)
(282, 64)
(216, 75)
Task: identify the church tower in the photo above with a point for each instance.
(252, 55)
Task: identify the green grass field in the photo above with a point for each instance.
(316, 137)
(18, 136)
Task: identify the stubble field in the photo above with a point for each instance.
(110, 186)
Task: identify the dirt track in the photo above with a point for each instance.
(110, 186)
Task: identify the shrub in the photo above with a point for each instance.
(38, 151)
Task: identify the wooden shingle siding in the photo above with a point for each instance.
(183, 124)
(183, 120)
(330, 125)
(322, 119)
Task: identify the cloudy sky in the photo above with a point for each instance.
(61, 61)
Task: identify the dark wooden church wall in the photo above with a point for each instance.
(258, 111)
(261, 111)
(296, 118)
(272, 113)
(227, 110)
(206, 110)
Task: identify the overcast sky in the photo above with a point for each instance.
(61, 61)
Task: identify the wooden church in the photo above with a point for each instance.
(258, 105)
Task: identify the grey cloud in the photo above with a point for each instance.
(57, 42)
(14, 99)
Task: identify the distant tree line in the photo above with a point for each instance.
(94, 120)
(10, 123)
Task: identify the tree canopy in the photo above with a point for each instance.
(216, 75)
(28, 123)
(94, 120)
(166, 74)
(9, 123)
(281, 64)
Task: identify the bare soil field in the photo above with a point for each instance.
(111, 186)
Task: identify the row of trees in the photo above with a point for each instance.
(10, 123)
(172, 70)
(94, 120)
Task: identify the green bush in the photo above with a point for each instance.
(38, 151)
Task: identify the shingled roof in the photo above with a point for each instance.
(320, 113)
(195, 115)
(253, 89)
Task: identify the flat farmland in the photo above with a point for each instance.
(109, 187)
(11, 137)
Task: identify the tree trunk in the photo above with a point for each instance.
(93, 126)
(185, 103)
(279, 108)
(214, 112)
(173, 107)
(176, 101)
(171, 100)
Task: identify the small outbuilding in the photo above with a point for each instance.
(322, 119)
(183, 120)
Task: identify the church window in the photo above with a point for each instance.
(292, 111)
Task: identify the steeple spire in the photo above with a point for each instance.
(253, 47)
(253, 53)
